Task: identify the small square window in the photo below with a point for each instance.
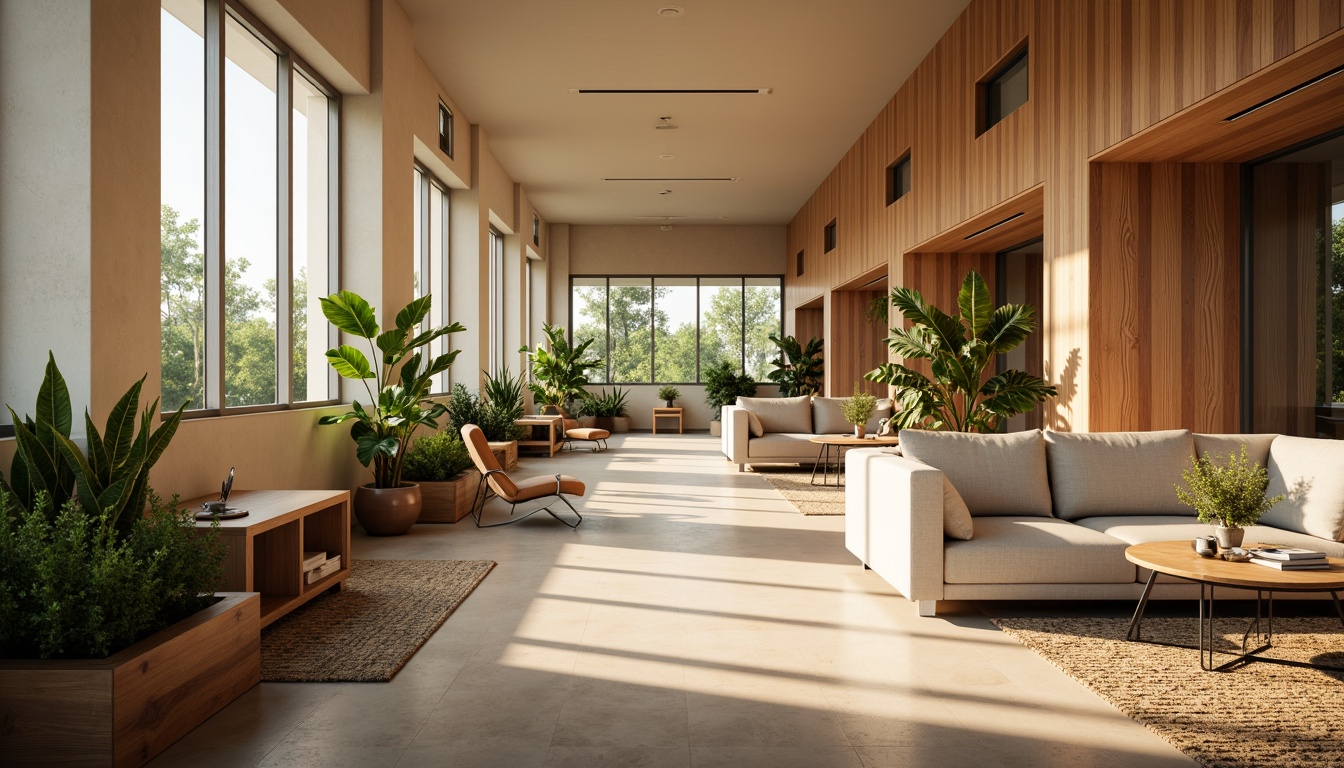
(898, 179)
(1003, 91)
(829, 238)
(798, 265)
(446, 130)
(536, 230)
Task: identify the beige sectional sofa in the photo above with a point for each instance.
(1050, 514)
(777, 430)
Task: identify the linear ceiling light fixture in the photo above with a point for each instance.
(674, 91)
(1279, 97)
(993, 226)
(669, 178)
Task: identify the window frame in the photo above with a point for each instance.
(446, 135)
(425, 264)
(829, 237)
(653, 313)
(894, 192)
(497, 302)
(982, 86)
(288, 64)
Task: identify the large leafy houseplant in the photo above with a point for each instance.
(723, 385)
(959, 348)
(401, 381)
(799, 367)
(559, 373)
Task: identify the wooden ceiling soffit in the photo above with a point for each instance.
(1009, 224)
(872, 280)
(1294, 99)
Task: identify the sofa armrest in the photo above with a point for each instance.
(894, 520)
(736, 433)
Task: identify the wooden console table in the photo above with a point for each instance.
(552, 426)
(265, 549)
(666, 413)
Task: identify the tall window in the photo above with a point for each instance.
(431, 223)
(1003, 91)
(670, 330)
(496, 300)
(247, 222)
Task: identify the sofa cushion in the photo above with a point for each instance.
(1036, 550)
(1310, 474)
(1257, 446)
(1135, 529)
(957, 522)
(1118, 473)
(827, 418)
(995, 474)
(780, 414)
(783, 445)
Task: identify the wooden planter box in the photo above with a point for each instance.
(450, 500)
(506, 454)
(129, 707)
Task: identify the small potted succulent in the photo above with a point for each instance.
(1230, 494)
(668, 395)
(858, 409)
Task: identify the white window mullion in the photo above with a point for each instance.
(214, 205)
(284, 231)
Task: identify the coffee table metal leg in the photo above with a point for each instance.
(1338, 609)
(1134, 623)
(820, 453)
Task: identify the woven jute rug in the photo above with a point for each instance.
(1255, 715)
(372, 627)
(796, 485)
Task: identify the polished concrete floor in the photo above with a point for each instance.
(694, 619)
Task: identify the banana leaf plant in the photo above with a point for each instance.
(112, 477)
(559, 374)
(958, 397)
(799, 368)
(399, 400)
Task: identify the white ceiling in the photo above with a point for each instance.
(831, 66)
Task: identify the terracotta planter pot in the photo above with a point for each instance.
(387, 511)
(604, 422)
(450, 500)
(129, 707)
(620, 424)
(860, 430)
(716, 428)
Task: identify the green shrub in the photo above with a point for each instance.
(1230, 492)
(607, 404)
(435, 458)
(496, 421)
(73, 586)
(723, 385)
(668, 393)
(858, 408)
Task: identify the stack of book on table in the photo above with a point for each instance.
(317, 566)
(1290, 559)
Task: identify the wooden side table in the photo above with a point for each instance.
(666, 413)
(265, 549)
(533, 425)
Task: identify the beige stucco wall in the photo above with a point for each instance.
(682, 250)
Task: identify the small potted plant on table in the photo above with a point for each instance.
(858, 409)
(1229, 494)
(668, 395)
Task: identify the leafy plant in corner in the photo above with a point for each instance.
(608, 405)
(799, 368)
(559, 373)
(112, 478)
(960, 348)
(495, 420)
(505, 392)
(1230, 493)
(435, 458)
(723, 385)
(668, 394)
(398, 404)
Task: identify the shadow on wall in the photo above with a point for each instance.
(1061, 420)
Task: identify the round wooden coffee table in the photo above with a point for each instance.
(840, 443)
(1178, 558)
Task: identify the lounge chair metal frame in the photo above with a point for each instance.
(483, 495)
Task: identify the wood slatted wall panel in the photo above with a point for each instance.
(1100, 71)
(854, 345)
(1292, 209)
(1165, 286)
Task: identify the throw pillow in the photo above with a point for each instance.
(1118, 473)
(995, 474)
(1257, 446)
(1307, 472)
(781, 414)
(754, 424)
(956, 517)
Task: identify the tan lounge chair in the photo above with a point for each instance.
(496, 479)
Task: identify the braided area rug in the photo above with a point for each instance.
(1257, 715)
(796, 486)
(372, 627)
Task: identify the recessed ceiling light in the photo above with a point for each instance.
(665, 157)
(671, 11)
